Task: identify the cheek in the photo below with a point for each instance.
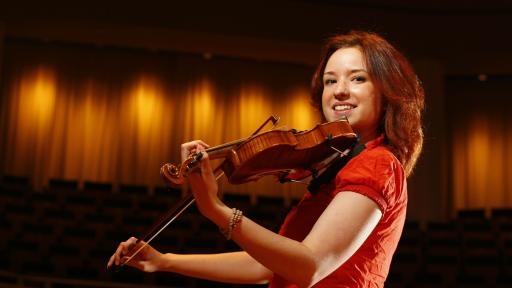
(325, 99)
(324, 95)
(376, 105)
(325, 107)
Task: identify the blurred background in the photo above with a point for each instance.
(95, 96)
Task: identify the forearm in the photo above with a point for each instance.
(289, 258)
(235, 267)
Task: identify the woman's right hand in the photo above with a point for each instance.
(147, 260)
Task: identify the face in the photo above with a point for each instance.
(349, 91)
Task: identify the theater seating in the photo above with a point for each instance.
(63, 235)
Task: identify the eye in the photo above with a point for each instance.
(359, 78)
(329, 81)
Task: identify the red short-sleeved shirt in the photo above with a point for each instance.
(377, 174)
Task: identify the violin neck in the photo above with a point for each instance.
(221, 150)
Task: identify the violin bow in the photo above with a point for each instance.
(184, 203)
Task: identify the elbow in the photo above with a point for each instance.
(309, 282)
(315, 272)
(310, 277)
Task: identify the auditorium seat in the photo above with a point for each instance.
(152, 206)
(43, 200)
(407, 259)
(19, 251)
(170, 240)
(506, 253)
(203, 242)
(100, 221)
(137, 223)
(118, 202)
(38, 232)
(269, 204)
(480, 250)
(84, 271)
(63, 185)
(269, 212)
(61, 189)
(167, 195)
(442, 250)
(133, 190)
(17, 214)
(38, 267)
(464, 280)
(8, 280)
(60, 217)
(95, 186)
(501, 214)
(471, 215)
(83, 237)
(14, 188)
(395, 280)
(7, 229)
(424, 279)
(63, 255)
(404, 266)
(239, 201)
(504, 280)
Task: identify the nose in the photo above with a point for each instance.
(340, 92)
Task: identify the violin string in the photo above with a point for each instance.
(299, 181)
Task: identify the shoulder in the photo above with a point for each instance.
(374, 163)
(376, 173)
(380, 159)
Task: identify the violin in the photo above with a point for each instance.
(287, 154)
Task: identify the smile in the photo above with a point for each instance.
(343, 107)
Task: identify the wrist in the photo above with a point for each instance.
(165, 262)
(219, 214)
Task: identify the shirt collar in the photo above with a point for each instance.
(375, 142)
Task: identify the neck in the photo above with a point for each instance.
(367, 136)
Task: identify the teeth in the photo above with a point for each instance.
(342, 107)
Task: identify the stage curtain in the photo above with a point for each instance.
(481, 133)
(116, 115)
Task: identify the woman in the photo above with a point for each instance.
(345, 234)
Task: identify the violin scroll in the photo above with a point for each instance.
(175, 174)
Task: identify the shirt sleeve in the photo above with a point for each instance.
(372, 173)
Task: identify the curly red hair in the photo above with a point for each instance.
(402, 93)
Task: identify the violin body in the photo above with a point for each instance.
(288, 155)
(280, 152)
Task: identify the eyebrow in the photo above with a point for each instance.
(351, 71)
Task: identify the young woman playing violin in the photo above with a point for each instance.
(345, 234)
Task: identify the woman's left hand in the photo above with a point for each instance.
(201, 178)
